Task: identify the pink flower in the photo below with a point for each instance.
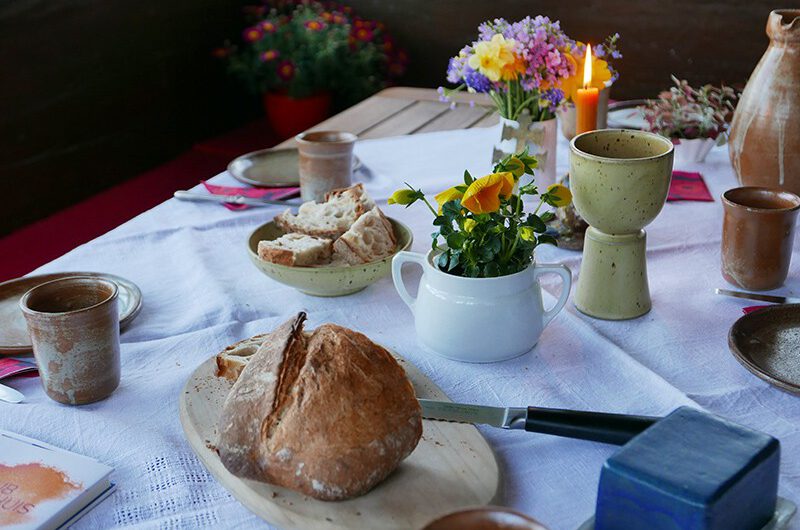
(268, 26)
(363, 34)
(285, 70)
(269, 55)
(253, 34)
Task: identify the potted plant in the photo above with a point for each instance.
(305, 57)
(604, 75)
(521, 66)
(479, 299)
(695, 119)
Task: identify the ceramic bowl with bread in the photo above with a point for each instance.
(332, 248)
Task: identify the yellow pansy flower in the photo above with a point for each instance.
(446, 196)
(560, 195)
(469, 224)
(483, 195)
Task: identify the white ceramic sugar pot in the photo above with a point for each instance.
(478, 319)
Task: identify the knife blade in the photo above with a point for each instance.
(230, 199)
(10, 395)
(760, 297)
(603, 427)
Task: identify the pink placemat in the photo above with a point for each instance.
(688, 186)
(12, 367)
(274, 194)
(749, 309)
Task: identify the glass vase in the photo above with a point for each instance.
(540, 138)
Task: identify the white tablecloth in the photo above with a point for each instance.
(201, 293)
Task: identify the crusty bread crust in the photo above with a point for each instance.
(329, 415)
(352, 248)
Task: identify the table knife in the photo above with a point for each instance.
(760, 297)
(230, 199)
(603, 427)
(10, 395)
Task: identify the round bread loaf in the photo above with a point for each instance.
(330, 413)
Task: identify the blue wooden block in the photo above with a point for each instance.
(690, 471)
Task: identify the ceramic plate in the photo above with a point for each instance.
(271, 168)
(766, 342)
(325, 281)
(626, 115)
(14, 338)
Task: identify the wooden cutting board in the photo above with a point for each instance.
(451, 468)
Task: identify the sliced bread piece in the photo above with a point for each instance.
(232, 360)
(369, 239)
(296, 250)
(356, 191)
(328, 219)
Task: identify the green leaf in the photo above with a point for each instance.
(440, 221)
(536, 223)
(454, 259)
(547, 216)
(462, 189)
(491, 270)
(456, 240)
(471, 271)
(547, 239)
(443, 260)
(468, 179)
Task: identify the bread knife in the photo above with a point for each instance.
(760, 297)
(230, 199)
(617, 429)
(10, 395)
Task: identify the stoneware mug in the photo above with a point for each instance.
(757, 236)
(326, 162)
(478, 320)
(74, 328)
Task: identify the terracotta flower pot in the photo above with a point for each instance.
(289, 116)
(764, 142)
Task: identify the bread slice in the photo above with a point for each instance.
(296, 250)
(232, 360)
(330, 414)
(369, 239)
(329, 219)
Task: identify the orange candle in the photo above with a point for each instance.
(586, 99)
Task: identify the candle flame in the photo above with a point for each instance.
(587, 67)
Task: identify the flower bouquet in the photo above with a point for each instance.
(521, 67)
(483, 230)
(694, 118)
(480, 273)
(604, 75)
(314, 52)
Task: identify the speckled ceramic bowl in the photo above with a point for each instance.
(620, 178)
(325, 281)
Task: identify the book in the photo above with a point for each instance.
(43, 487)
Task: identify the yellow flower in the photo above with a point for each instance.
(600, 74)
(496, 59)
(404, 196)
(560, 195)
(527, 233)
(446, 196)
(483, 195)
(469, 224)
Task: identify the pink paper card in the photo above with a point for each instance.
(274, 194)
(688, 186)
(11, 367)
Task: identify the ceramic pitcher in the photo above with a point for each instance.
(764, 142)
(478, 319)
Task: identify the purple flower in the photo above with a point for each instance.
(476, 81)
(553, 97)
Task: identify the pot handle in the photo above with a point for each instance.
(397, 276)
(566, 278)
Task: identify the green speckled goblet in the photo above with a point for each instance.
(619, 181)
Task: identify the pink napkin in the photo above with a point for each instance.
(274, 194)
(749, 309)
(688, 186)
(12, 367)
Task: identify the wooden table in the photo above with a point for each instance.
(405, 110)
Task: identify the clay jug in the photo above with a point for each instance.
(764, 142)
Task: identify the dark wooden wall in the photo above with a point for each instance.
(93, 92)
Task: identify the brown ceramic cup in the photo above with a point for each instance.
(757, 236)
(326, 162)
(74, 328)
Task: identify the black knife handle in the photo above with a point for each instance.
(617, 429)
